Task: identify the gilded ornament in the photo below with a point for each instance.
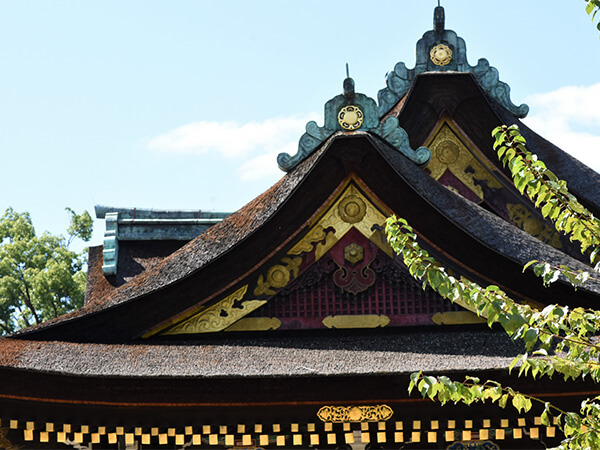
(345, 414)
(352, 209)
(354, 414)
(292, 264)
(218, 316)
(305, 245)
(263, 287)
(524, 219)
(278, 276)
(350, 117)
(449, 153)
(441, 55)
(456, 318)
(353, 253)
(255, 324)
(356, 321)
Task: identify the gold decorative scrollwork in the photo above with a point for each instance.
(278, 276)
(305, 245)
(523, 218)
(350, 117)
(441, 55)
(351, 209)
(344, 414)
(218, 316)
(449, 153)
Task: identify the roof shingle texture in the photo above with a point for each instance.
(211, 244)
(332, 353)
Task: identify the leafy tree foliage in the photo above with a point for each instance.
(592, 7)
(40, 278)
(558, 340)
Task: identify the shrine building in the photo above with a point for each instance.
(291, 323)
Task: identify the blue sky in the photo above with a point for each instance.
(185, 104)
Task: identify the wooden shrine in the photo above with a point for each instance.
(291, 323)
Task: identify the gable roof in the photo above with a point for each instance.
(470, 239)
(465, 236)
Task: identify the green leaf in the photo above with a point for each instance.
(503, 400)
(526, 266)
(546, 415)
(589, 8)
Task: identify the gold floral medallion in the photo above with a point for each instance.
(441, 55)
(350, 117)
(352, 209)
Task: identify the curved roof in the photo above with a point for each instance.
(471, 241)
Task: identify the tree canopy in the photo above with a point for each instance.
(40, 278)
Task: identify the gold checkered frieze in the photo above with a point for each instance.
(284, 435)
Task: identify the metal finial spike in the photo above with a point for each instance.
(438, 18)
(439, 3)
(347, 71)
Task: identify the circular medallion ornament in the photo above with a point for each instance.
(352, 209)
(350, 117)
(447, 152)
(278, 276)
(441, 55)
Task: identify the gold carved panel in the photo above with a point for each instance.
(255, 324)
(356, 321)
(351, 209)
(344, 414)
(524, 219)
(218, 316)
(449, 153)
(456, 318)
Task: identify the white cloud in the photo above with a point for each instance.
(232, 139)
(570, 118)
(254, 144)
(260, 167)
